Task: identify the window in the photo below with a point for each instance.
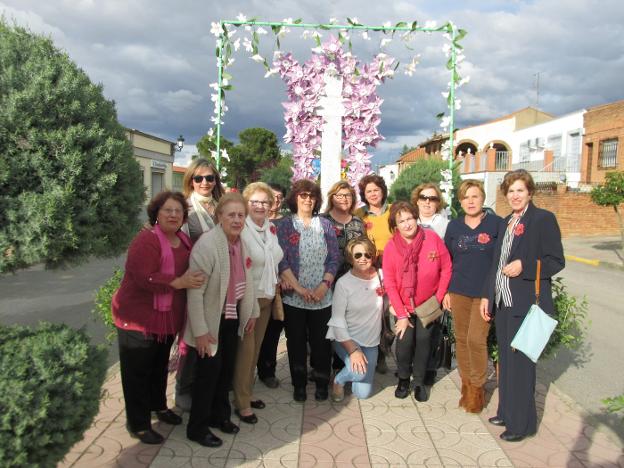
(608, 153)
(524, 153)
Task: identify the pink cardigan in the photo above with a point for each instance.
(434, 272)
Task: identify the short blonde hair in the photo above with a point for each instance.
(467, 184)
(368, 246)
(428, 185)
(258, 187)
(340, 185)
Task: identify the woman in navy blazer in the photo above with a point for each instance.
(528, 234)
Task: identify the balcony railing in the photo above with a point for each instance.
(502, 161)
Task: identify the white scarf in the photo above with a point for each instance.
(268, 280)
(205, 220)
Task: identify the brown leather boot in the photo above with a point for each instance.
(464, 392)
(476, 400)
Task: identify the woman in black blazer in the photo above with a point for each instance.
(526, 235)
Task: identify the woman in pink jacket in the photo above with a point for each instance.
(416, 266)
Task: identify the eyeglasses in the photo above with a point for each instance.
(307, 196)
(432, 198)
(358, 255)
(172, 211)
(209, 178)
(342, 196)
(259, 203)
(406, 220)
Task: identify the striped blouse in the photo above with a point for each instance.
(503, 292)
(236, 285)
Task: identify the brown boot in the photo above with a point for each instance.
(464, 392)
(476, 401)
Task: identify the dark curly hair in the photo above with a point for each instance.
(372, 179)
(397, 208)
(160, 199)
(304, 185)
(513, 176)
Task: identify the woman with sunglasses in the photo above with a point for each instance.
(355, 324)
(202, 188)
(416, 267)
(428, 198)
(311, 260)
(260, 239)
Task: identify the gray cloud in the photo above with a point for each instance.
(156, 60)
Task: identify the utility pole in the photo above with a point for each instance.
(537, 86)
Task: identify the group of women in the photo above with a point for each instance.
(222, 270)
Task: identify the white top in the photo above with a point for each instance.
(438, 223)
(356, 311)
(259, 244)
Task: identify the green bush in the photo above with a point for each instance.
(69, 184)
(103, 301)
(50, 387)
(423, 170)
(614, 404)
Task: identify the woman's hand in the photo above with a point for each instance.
(513, 269)
(189, 280)
(358, 362)
(484, 310)
(251, 324)
(446, 302)
(202, 344)
(401, 326)
(319, 292)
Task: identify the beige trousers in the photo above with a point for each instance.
(247, 356)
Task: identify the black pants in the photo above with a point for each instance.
(303, 325)
(267, 359)
(412, 351)
(516, 380)
(143, 361)
(213, 381)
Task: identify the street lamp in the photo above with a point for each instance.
(180, 143)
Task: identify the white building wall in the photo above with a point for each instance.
(389, 172)
(484, 134)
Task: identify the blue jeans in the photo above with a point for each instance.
(362, 383)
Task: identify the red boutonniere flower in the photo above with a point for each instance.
(294, 238)
(248, 263)
(380, 291)
(368, 225)
(273, 229)
(519, 229)
(433, 255)
(483, 238)
(337, 230)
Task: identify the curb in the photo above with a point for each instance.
(595, 263)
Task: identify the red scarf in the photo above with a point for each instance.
(409, 278)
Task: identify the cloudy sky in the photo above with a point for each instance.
(156, 59)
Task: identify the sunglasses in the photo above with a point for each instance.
(358, 255)
(306, 196)
(209, 178)
(432, 198)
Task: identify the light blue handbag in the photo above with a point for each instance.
(534, 333)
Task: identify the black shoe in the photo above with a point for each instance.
(270, 382)
(207, 440)
(402, 390)
(148, 436)
(511, 437)
(257, 404)
(300, 394)
(421, 393)
(249, 419)
(430, 377)
(226, 426)
(496, 421)
(321, 393)
(169, 417)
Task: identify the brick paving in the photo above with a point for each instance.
(379, 432)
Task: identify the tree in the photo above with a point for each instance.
(421, 171)
(406, 149)
(611, 193)
(281, 174)
(206, 145)
(69, 184)
(257, 150)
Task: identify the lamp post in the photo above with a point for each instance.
(180, 143)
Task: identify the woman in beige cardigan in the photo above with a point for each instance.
(219, 314)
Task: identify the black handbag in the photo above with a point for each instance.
(442, 344)
(387, 327)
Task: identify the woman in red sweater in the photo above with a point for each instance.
(149, 309)
(416, 266)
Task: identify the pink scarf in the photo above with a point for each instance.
(163, 301)
(409, 253)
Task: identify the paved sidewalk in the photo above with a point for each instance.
(594, 250)
(378, 432)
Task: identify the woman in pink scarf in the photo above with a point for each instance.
(416, 266)
(149, 310)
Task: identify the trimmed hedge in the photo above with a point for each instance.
(50, 386)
